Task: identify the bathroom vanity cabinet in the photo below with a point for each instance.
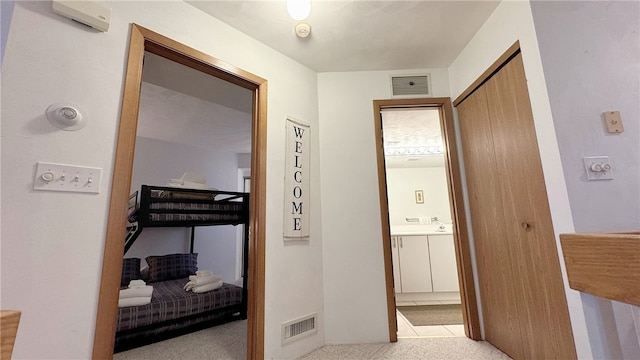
(424, 263)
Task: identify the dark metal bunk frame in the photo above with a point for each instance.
(143, 219)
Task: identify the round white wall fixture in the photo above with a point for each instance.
(66, 116)
(303, 29)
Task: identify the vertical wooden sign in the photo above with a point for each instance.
(296, 180)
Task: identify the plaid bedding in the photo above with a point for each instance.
(170, 301)
(163, 206)
(195, 217)
(229, 206)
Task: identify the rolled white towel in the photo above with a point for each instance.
(134, 301)
(207, 287)
(136, 291)
(201, 280)
(201, 273)
(137, 283)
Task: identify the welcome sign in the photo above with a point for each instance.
(296, 181)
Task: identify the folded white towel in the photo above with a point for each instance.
(135, 301)
(180, 183)
(207, 287)
(137, 283)
(136, 291)
(204, 273)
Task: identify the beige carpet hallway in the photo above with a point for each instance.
(228, 342)
(449, 348)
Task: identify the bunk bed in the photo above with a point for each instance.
(173, 311)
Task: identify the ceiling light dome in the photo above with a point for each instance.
(299, 9)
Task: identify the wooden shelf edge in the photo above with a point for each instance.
(606, 265)
(9, 320)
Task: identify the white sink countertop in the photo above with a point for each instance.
(431, 229)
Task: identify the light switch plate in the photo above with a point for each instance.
(613, 121)
(598, 168)
(60, 177)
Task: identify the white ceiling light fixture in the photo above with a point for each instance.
(299, 9)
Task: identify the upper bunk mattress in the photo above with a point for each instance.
(163, 206)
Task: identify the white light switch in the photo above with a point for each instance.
(59, 177)
(598, 168)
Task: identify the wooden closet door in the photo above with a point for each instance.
(496, 270)
(545, 327)
(523, 300)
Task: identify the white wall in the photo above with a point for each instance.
(512, 21)
(52, 243)
(592, 65)
(591, 58)
(401, 186)
(154, 163)
(6, 10)
(354, 282)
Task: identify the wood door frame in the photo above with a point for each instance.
(512, 51)
(141, 40)
(460, 233)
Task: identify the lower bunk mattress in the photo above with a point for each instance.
(173, 309)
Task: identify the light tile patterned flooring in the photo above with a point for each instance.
(406, 330)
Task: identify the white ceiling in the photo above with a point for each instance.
(352, 35)
(360, 35)
(185, 106)
(415, 131)
(172, 75)
(179, 118)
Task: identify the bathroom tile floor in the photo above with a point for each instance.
(406, 330)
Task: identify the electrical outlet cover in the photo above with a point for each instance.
(613, 121)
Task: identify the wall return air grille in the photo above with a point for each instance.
(411, 85)
(298, 328)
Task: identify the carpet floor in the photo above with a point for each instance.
(227, 342)
(453, 348)
(425, 315)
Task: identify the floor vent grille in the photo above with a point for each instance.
(411, 85)
(298, 328)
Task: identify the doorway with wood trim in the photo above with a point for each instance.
(454, 187)
(143, 40)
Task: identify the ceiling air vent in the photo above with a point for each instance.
(301, 327)
(411, 85)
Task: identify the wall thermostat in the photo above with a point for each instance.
(66, 116)
(85, 12)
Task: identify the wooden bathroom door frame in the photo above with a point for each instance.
(460, 233)
(141, 40)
